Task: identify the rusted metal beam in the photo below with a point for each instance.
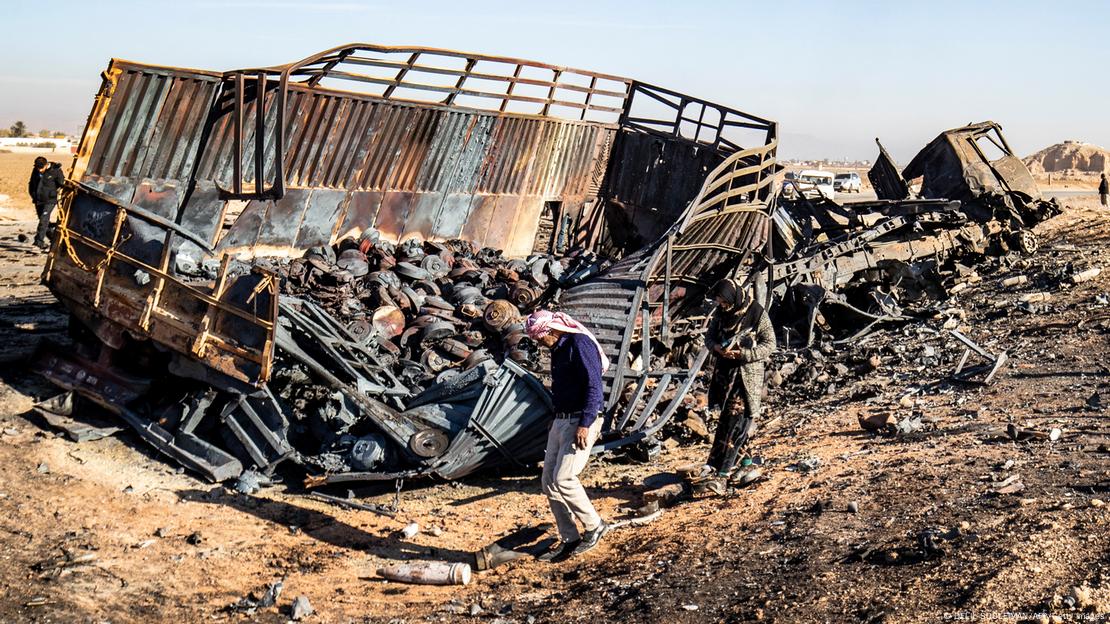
(450, 99)
(467, 73)
(509, 89)
(237, 155)
(551, 94)
(590, 94)
(369, 47)
(260, 133)
(456, 91)
(102, 266)
(399, 77)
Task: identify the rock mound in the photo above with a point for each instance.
(1069, 157)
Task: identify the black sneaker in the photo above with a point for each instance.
(590, 539)
(559, 551)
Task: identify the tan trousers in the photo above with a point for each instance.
(561, 465)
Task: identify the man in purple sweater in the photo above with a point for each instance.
(577, 362)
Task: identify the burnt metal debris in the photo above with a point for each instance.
(844, 270)
(993, 363)
(902, 264)
(268, 267)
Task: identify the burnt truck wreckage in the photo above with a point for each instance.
(843, 270)
(266, 267)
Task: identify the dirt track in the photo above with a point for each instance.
(930, 540)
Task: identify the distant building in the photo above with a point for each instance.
(38, 145)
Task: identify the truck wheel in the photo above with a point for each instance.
(1025, 241)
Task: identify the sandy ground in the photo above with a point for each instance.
(15, 169)
(159, 545)
(1076, 183)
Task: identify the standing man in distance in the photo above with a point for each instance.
(44, 189)
(1103, 189)
(577, 363)
(33, 183)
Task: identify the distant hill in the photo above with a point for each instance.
(1069, 157)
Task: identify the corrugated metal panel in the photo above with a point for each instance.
(219, 141)
(424, 161)
(269, 144)
(501, 157)
(411, 148)
(371, 154)
(443, 152)
(652, 180)
(153, 124)
(346, 147)
(320, 167)
(600, 162)
(729, 220)
(516, 141)
(611, 305)
(431, 169)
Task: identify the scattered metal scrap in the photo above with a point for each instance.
(57, 411)
(342, 502)
(258, 600)
(519, 543)
(427, 573)
(988, 370)
(60, 565)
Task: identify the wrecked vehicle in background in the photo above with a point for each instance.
(843, 270)
(267, 267)
(975, 165)
(811, 184)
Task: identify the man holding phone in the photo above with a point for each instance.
(577, 363)
(742, 337)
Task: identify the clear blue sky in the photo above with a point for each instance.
(835, 75)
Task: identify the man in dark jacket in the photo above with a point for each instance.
(33, 183)
(741, 335)
(1103, 189)
(44, 189)
(577, 364)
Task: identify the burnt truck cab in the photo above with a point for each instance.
(189, 189)
(973, 164)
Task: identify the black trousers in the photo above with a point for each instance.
(45, 211)
(738, 389)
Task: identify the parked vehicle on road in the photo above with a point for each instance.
(848, 182)
(811, 183)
